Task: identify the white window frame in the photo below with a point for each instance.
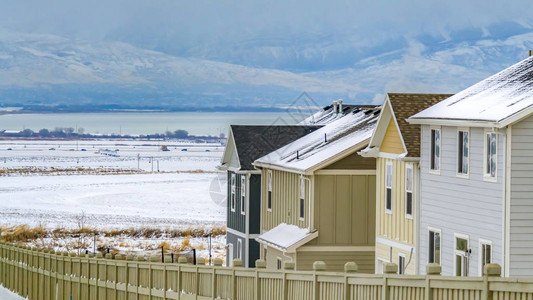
(279, 263)
(410, 167)
(380, 262)
(269, 191)
(431, 170)
(401, 268)
(387, 164)
(461, 153)
(439, 231)
(481, 243)
(233, 182)
(486, 173)
(462, 253)
(243, 194)
(301, 200)
(239, 248)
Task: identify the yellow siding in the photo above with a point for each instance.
(395, 226)
(335, 260)
(285, 200)
(344, 212)
(383, 253)
(392, 142)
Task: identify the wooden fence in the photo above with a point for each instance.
(39, 275)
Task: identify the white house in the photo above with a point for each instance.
(477, 176)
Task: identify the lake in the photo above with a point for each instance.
(196, 123)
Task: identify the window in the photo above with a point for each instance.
(485, 254)
(490, 154)
(243, 194)
(401, 264)
(265, 253)
(239, 249)
(302, 198)
(435, 150)
(269, 200)
(279, 263)
(462, 152)
(434, 246)
(462, 254)
(388, 187)
(409, 191)
(232, 196)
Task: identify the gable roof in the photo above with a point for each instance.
(496, 101)
(327, 114)
(252, 142)
(338, 137)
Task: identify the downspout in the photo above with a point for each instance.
(309, 209)
(418, 206)
(507, 203)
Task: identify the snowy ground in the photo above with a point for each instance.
(6, 294)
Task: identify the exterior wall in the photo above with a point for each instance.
(383, 254)
(353, 162)
(521, 210)
(452, 204)
(392, 142)
(344, 210)
(272, 258)
(232, 239)
(235, 219)
(253, 252)
(285, 198)
(254, 217)
(335, 260)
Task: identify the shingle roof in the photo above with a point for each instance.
(491, 100)
(253, 142)
(406, 105)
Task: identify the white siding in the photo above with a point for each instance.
(521, 213)
(460, 205)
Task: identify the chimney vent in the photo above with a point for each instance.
(340, 106)
(334, 106)
(530, 52)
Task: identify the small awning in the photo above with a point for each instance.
(287, 238)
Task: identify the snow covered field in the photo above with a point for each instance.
(6, 294)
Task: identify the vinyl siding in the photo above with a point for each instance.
(353, 162)
(235, 219)
(521, 211)
(392, 142)
(254, 217)
(395, 225)
(344, 212)
(458, 205)
(383, 252)
(285, 200)
(335, 260)
(272, 258)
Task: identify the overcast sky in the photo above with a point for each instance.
(168, 23)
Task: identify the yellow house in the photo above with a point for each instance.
(318, 196)
(396, 146)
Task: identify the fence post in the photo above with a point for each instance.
(259, 265)
(489, 270)
(349, 268)
(432, 269)
(237, 263)
(318, 266)
(388, 268)
(287, 266)
(217, 262)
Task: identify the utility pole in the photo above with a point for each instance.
(138, 160)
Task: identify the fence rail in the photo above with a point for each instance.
(41, 275)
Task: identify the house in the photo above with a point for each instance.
(245, 144)
(396, 146)
(318, 195)
(476, 174)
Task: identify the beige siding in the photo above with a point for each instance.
(392, 142)
(395, 226)
(285, 200)
(335, 260)
(383, 253)
(353, 162)
(344, 210)
(272, 256)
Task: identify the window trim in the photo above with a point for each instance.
(460, 174)
(480, 261)
(233, 191)
(279, 263)
(401, 268)
(439, 231)
(269, 190)
(243, 194)
(301, 200)
(431, 170)
(239, 249)
(410, 166)
(389, 163)
(486, 175)
(459, 252)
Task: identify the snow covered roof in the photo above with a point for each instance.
(287, 238)
(338, 136)
(328, 114)
(495, 100)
